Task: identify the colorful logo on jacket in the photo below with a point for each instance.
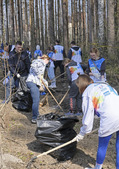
(56, 51)
(96, 102)
(73, 53)
(76, 53)
(72, 70)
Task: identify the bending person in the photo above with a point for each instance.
(100, 99)
(34, 83)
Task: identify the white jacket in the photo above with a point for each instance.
(37, 68)
(104, 101)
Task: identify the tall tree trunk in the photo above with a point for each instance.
(90, 23)
(59, 18)
(1, 20)
(79, 18)
(84, 25)
(55, 20)
(65, 23)
(72, 15)
(42, 26)
(37, 23)
(23, 21)
(51, 21)
(96, 21)
(12, 22)
(92, 15)
(76, 21)
(32, 25)
(46, 28)
(16, 21)
(111, 33)
(19, 24)
(101, 21)
(26, 24)
(7, 29)
(21, 18)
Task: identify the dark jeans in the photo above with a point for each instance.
(35, 94)
(75, 98)
(16, 82)
(60, 65)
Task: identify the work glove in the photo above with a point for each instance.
(97, 75)
(18, 75)
(79, 137)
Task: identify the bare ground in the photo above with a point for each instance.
(18, 143)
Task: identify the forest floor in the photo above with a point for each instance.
(18, 143)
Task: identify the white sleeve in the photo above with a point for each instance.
(88, 116)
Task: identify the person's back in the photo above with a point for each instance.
(59, 56)
(58, 52)
(105, 103)
(75, 53)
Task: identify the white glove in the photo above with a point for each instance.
(97, 75)
(18, 75)
(79, 137)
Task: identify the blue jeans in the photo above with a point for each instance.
(35, 94)
(51, 75)
(102, 148)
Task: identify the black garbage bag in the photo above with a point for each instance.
(22, 100)
(54, 130)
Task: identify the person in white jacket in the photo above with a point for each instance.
(102, 100)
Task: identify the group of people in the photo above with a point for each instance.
(88, 90)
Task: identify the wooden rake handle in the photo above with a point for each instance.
(56, 148)
(52, 95)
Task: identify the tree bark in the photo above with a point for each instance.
(65, 23)
(51, 21)
(7, 29)
(12, 22)
(111, 33)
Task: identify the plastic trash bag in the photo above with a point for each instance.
(22, 99)
(54, 130)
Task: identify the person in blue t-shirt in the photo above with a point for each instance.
(37, 52)
(96, 66)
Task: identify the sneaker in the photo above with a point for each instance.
(34, 121)
(42, 93)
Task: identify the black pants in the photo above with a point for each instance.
(75, 98)
(60, 65)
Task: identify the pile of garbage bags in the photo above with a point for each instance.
(54, 130)
(22, 100)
